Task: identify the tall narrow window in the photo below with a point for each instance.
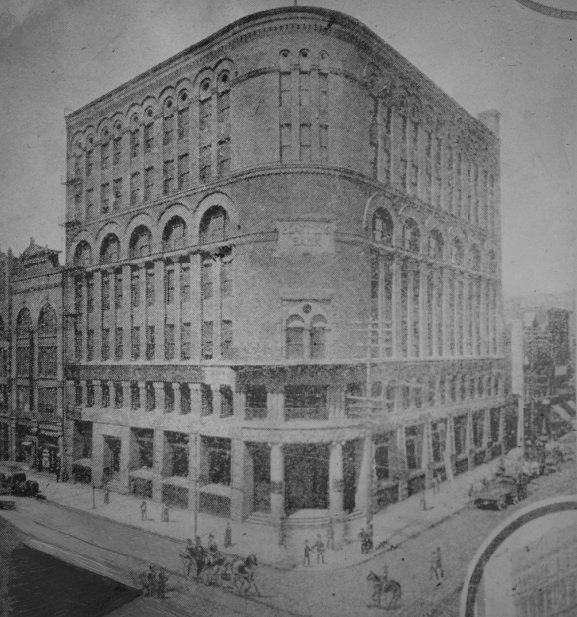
(150, 342)
(183, 172)
(105, 197)
(89, 162)
(148, 137)
(205, 110)
(150, 286)
(169, 341)
(168, 129)
(168, 176)
(118, 289)
(205, 163)
(135, 287)
(90, 345)
(118, 345)
(78, 345)
(134, 142)
(105, 155)
(105, 293)
(135, 188)
(223, 156)
(117, 193)
(148, 183)
(206, 282)
(403, 151)
(305, 142)
(135, 342)
(185, 345)
(207, 340)
(414, 146)
(185, 284)
(117, 150)
(438, 172)
(223, 101)
(105, 351)
(183, 123)
(285, 142)
(318, 337)
(226, 276)
(90, 293)
(169, 286)
(226, 340)
(295, 338)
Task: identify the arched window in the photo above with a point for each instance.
(475, 258)
(140, 242)
(47, 321)
(318, 336)
(174, 235)
(23, 323)
(110, 249)
(457, 252)
(214, 225)
(83, 254)
(2, 331)
(411, 236)
(295, 329)
(436, 244)
(492, 262)
(383, 227)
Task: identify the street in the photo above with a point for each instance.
(301, 591)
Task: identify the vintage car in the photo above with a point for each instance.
(501, 492)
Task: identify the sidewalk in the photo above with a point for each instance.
(395, 525)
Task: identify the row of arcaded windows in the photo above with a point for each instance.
(213, 228)
(433, 246)
(128, 156)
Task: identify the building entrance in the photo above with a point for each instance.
(306, 477)
(111, 468)
(261, 479)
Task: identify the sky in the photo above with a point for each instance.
(57, 55)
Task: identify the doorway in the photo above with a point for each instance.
(306, 477)
(111, 468)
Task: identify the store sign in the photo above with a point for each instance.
(305, 237)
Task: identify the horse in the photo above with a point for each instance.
(383, 585)
(242, 574)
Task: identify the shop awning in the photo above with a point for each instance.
(83, 462)
(144, 473)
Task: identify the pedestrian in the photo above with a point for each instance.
(165, 516)
(436, 569)
(437, 483)
(188, 556)
(363, 537)
(227, 535)
(106, 495)
(319, 545)
(200, 555)
(423, 500)
(57, 471)
(331, 535)
(370, 536)
(143, 516)
(307, 554)
(150, 587)
(161, 581)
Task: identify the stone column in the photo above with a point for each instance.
(239, 405)
(195, 314)
(97, 454)
(124, 457)
(275, 406)
(426, 454)
(142, 394)
(470, 441)
(126, 395)
(125, 321)
(98, 315)
(237, 479)
(336, 480)
(450, 449)
(159, 310)
(159, 396)
(177, 397)
(195, 399)
(396, 308)
(177, 305)
(216, 399)
(487, 434)
(158, 464)
(97, 393)
(276, 482)
(423, 309)
(193, 470)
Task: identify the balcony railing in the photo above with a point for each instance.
(306, 413)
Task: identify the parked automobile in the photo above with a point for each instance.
(13, 481)
(502, 492)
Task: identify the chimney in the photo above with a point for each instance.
(490, 118)
(31, 240)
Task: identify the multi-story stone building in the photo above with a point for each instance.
(5, 304)
(239, 217)
(34, 387)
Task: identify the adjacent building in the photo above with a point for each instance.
(282, 291)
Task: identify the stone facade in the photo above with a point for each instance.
(284, 268)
